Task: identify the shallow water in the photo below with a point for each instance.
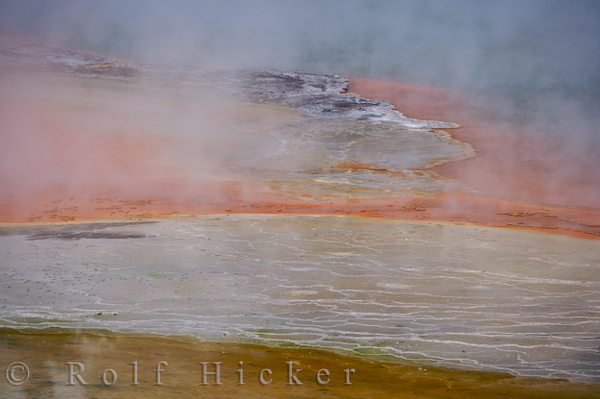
(445, 294)
(101, 139)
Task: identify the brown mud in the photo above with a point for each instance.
(46, 353)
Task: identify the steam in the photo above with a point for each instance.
(497, 45)
(536, 63)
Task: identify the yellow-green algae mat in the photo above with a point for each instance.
(115, 365)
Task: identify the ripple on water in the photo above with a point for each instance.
(529, 303)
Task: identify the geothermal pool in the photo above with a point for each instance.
(455, 295)
(279, 208)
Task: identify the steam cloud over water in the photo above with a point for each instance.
(543, 46)
(481, 113)
(535, 65)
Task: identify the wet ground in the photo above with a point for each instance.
(465, 296)
(47, 352)
(98, 143)
(231, 204)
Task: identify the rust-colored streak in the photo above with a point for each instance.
(359, 166)
(522, 165)
(520, 170)
(457, 207)
(72, 162)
